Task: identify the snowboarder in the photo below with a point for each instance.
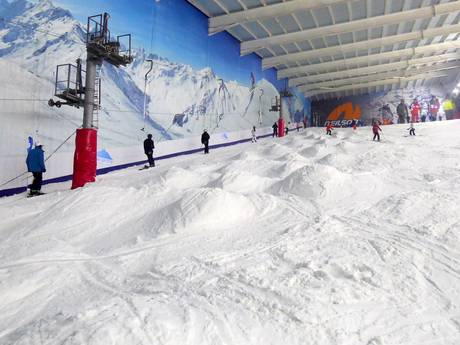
(434, 108)
(36, 165)
(329, 128)
(275, 130)
(375, 129)
(253, 132)
(148, 150)
(205, 141)
(415, 110)
(402, 111)
(411, 129)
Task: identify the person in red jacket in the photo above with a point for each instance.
(375, 129)
(329, 128)
(415, 110)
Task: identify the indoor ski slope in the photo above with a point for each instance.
(306, 239)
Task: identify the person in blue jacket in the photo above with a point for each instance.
(36, 165)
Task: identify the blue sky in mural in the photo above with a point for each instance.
(176, 30)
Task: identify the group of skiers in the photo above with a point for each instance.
(416, 114)
(286, 129)
(149, 146)
(36, 163)
(375, 129)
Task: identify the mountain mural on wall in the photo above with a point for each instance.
(36, 35)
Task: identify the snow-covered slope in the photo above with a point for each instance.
(301, 240)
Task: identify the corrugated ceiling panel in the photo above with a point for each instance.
(323, 16)
(272, 25)
(231, 5)
(340, 12)
(288, 23)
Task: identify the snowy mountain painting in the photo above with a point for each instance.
(35, 36)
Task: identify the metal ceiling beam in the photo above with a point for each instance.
(374, 69)
(377, 83)
(380, 76)
(392, 18)
(362, 45)
(346, 63)
(226, 21)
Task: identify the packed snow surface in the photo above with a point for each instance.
(306, 239)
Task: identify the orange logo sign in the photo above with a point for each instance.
(347, 110)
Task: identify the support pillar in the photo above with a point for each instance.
(281, 127)
(85, 157)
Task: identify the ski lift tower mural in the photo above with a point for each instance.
(100, 47)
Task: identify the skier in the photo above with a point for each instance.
(253, 132)
(148, 150)
(375, 129)
(434, 108)
(449, 107)
(275, 130)
(402, 111)
(205, 141)
(286, 129)
(36, 165)
(329, 128)
(353, 124)
(411, 129)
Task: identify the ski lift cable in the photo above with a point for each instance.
(46, 159)
(145, 91)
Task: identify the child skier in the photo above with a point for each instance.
(375, 129)
(253, 132)
(411, 129)
(353, 124)
(329, 128)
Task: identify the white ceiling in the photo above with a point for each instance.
(335, 48)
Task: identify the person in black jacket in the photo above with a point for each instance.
(275, 130)
(148, 149)
(205, 141)
(403, 112)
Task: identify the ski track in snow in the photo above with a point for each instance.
(307, 239)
